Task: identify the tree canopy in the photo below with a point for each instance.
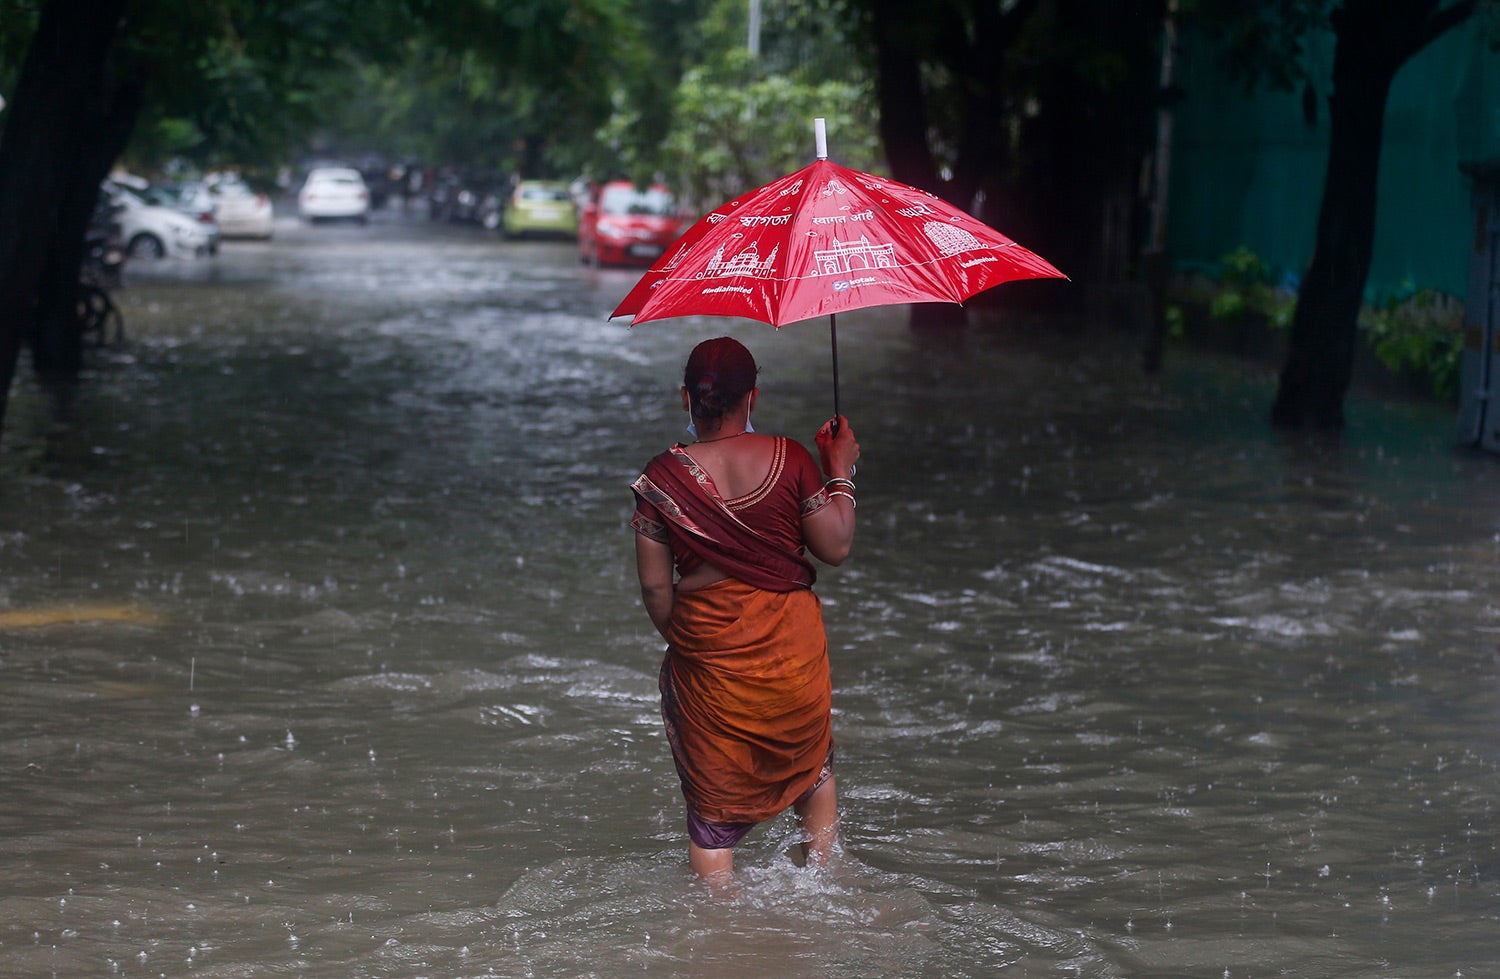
(527, 87)
(741, 118)
(1040, 115)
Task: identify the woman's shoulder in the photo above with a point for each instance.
(790, 453)
(798, 469)
(672, 455)
(796, 452)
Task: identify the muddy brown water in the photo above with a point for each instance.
(321, 652)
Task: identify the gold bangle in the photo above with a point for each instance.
(839, 481)
(845, 493)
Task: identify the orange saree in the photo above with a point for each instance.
(746, 697)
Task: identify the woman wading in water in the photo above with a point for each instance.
(722, 526)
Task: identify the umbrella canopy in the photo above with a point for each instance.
(824, 240)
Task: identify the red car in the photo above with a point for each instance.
(625, 225)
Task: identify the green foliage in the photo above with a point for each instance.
(18, 20)
(241, 81)
(730, 136)
(484, 83)
(1176, 318)
(539, 72)
(1421, 334)
(542, 87)
(431, 104)
(1261, 43)
(1246, 290)
(739, 121)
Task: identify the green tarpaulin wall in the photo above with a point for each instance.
(1248, 170)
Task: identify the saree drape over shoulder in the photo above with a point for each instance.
(745, 684)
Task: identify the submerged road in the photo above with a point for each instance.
(321, 652)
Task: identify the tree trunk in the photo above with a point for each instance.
(985, 158)
(903, 128)
(1373, 39)
(1156, 262)
(899, 32)
(1320, 354)
(65, 125)
(1074, 189)
(57, 346)
(898, 90)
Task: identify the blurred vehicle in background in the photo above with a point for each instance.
(442, 193)
(156, 231)
(101, 271)
(409, 180)
(541, 207)
(242, 211)
(334, 193)
(480, 201)
(103, 246)
(476, 197)
(377, 176)
(626, 225)
(191, 199)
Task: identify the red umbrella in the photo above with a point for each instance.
(824, 240)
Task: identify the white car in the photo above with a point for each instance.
(334, 192)
(191, 199)
(155, 231)
(243, 213)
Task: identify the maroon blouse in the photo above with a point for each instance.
(755, 538)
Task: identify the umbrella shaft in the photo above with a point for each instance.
(833, 336)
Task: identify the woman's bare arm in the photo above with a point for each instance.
(653, 565)
(829, 533)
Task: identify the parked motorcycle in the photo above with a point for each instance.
(467, 198)
(102, 270)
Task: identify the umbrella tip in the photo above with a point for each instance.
(820, 136)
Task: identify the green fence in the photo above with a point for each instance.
(1248, 170)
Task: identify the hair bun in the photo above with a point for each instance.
(719, 373)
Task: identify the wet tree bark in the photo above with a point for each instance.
(67, 123)
(904, 124)
(1320, 354)
(1373, 40)
(898, 89)
(1046, 120)
(975, 46)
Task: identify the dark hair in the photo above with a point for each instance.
(719, 373)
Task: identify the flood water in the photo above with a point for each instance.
(321, 651)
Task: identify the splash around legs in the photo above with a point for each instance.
(819, 818)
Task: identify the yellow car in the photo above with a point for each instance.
(541, 208)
